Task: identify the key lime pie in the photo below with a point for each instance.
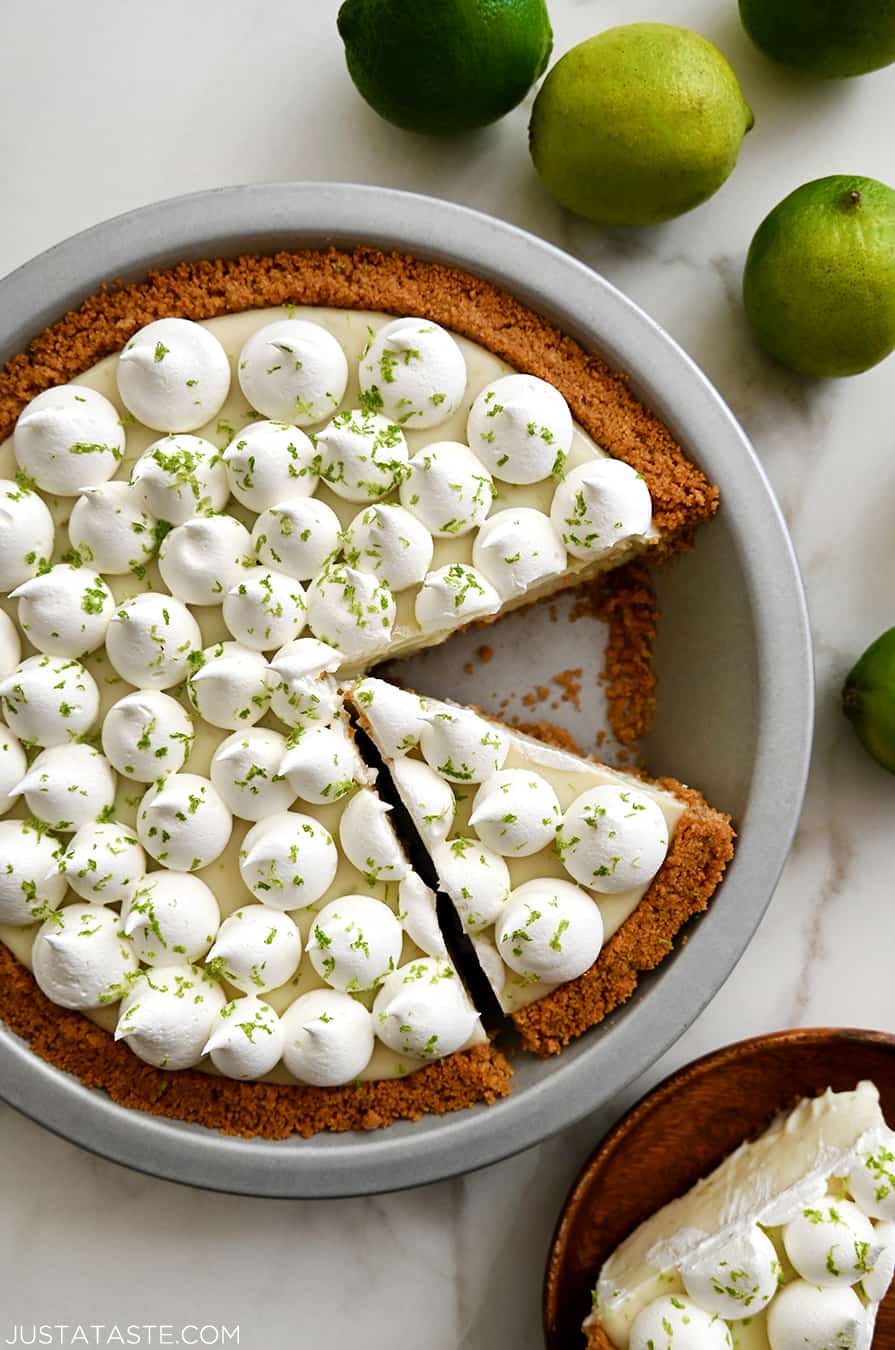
(227, 492)
(788, 1245)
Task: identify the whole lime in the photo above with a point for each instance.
(638, 124)
(819, 282)
(868, 699)
(830, 38)
(444, 66)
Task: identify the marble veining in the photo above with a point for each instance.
(460, 1264)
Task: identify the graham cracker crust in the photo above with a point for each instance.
(701, 847)
(365, 278)
(597, 1338)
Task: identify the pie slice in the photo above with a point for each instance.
(569, 877)
(788, 1245)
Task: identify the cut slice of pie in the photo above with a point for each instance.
(789, 1244)
(569, 877)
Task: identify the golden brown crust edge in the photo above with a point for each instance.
(597, 1338)
(701, 847)
(365, 278)
(69, 1041)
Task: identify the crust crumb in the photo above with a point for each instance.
(569, 682)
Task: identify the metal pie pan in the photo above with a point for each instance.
(734, 662)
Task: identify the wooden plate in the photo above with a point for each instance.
(682, 1130)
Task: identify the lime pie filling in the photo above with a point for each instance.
(202, 534)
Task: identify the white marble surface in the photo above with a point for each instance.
(105, 107)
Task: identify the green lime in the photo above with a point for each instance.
(868, 699)
(819, 283)
(445, 65)
(638, 124)
(829, 38)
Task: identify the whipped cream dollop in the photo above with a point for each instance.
(517, 549)
(173, 375)
(68, 438)
(305, 694)
(104, 862)
(368, 838)
(361, 455)
(355, 942)
(327, 1038)
(27, 534)
(10, 644)
(395, 716)
(297, 537)
(150, 639)
(13, 763)
(171, 916)
(65, 611)
(390, 542)
(230, 686)
(81, 957)
(110, 529)
(270, 462)
(831, 1243)
(418, 905)
(736, 1280)
(516, 812)
(521, 428)
(875, 1282)
(322, 764)
(872, 1179)
(147, 734)
(168, 1015)
(674, 1319)
(448, 488)
(183, 822)
(414, 372)
(428, 797)
(462, 746)
(454, 594)
(179, 477)
(613, 839)
(30, 881)
(49, 701)
(246, 1038)
(257, 949)
(264, 609)
(476, 879)
(598, 505)
(245, 769)
(549, 930)
(203, 558)
(805, 1317)
(293, 371)
(67, 786)
(422, 1010)
(289, 861)
(351, 610)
